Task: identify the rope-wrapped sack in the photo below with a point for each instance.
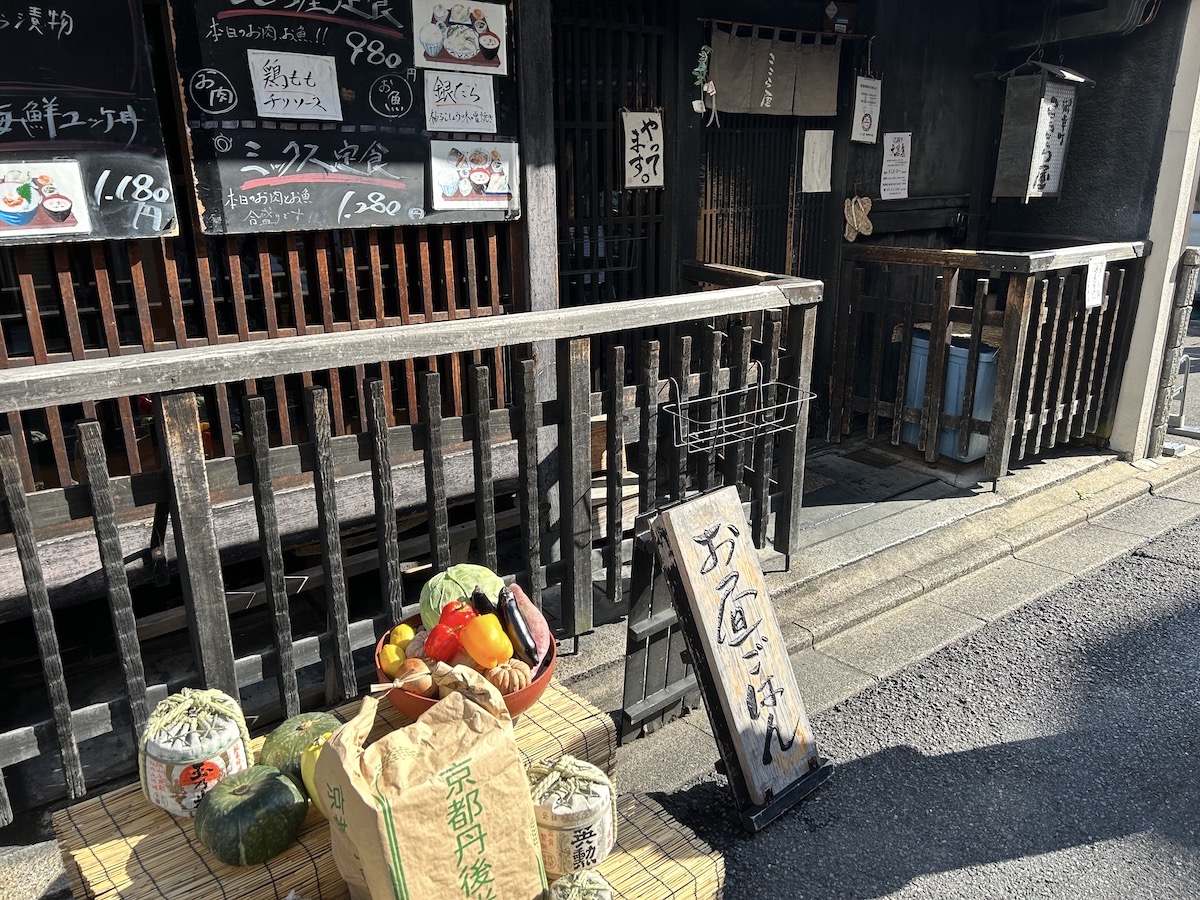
(576, 810)
(192, 740)
(585, 885)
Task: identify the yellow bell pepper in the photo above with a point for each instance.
(484, 639)
(308, 770)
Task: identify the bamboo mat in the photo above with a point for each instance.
(120, 845)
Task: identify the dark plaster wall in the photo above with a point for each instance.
(1111, 173)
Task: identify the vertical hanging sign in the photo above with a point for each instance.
(642, 149)
(754, 705)
(1050, 141)
(864, 127)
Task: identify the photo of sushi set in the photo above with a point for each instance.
(42, 200)
(461, 36)
(475, 176)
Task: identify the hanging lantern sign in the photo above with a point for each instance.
(1039, 110)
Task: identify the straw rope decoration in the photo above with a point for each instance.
(585, 885)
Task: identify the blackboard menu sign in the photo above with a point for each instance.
(81, 144)
(302, 115)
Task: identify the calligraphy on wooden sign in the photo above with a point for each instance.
(717, 583)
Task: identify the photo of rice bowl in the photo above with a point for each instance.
(461, 37)
(43, 198)
(485, 179)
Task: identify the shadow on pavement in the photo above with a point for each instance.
(1127, 763)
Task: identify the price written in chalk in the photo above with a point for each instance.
(146, 199)
(375, 202)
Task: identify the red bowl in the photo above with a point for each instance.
(412, 705)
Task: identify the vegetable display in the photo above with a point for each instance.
(509, 677)
(516, 628)
(251, 816)
(285, 746)
(308, 768)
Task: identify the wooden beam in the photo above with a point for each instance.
(997, 260)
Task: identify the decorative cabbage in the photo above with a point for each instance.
(456, 583)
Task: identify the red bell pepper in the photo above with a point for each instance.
(456, 614)
(443, 643)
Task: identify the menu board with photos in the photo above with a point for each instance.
(81, 142)
(310, 114)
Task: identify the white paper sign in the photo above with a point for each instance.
(459, 101)
(893, 183)
(295, 85)
(474, 175)
(818, 162)
(864, 127)
(1050, 143)
(1094, 290)
(642, 149)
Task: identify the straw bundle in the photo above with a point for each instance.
(119, 845)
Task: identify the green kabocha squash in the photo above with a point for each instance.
(250, 816)
(456, 583)
(284, 747)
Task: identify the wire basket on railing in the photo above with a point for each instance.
(707, 423)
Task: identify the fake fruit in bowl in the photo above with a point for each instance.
(308, 769)
(251, 816)
(484, 639)
(400, 637)
(284, 747)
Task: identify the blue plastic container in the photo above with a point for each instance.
(952, 399)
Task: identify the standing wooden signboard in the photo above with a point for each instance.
(750, 691)
(81, 143)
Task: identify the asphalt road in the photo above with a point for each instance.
(1055, 753)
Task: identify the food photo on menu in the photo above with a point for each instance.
(461, 36)
(473, 175)
(42, 198)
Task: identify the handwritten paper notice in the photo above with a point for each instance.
(893, 182)
(642, 149)
(818, 162)
(1093, 296)
(864, 127)
(458, 101)
(707, 542)
(295, 85)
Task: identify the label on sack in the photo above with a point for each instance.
(178, 787)
(578, 832)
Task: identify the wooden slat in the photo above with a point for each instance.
(575, 487)
(677, 455)
(141, 302)
(112, 566)
(1072, 359)
(199, 560)
(527, 466)
(995, 260)
(906, 336)
(853, 327)
(97, 379)
(43, 618)
(739, 377)
(174, 291)
(340, 682)
(410, 377)
(935, 373)
(764, 444)
(1090, 419)
(6, 810)
(237, 288)
(648, 432)
(967, 412)
(267, 279)
(880, 319)
(435, 474)
(1008, 368)
(711, 386)
(485, 502)
(390, 580)
(295, 282)
(615, 475)
(1059, 330)
(272, 554)
(66, 290)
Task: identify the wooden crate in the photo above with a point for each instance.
(120, 845)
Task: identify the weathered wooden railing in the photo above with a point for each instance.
(241, 565)
(1056, 342)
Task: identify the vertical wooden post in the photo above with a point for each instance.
(575, 483)
(340, 682)
(485, 502)
(272, 554)
(116, 582)
(390, 580)
(527, 464)
(764, 444)
(435, 474)
(196, 541)
(802, 327)
(615, 493)
(648, 440)
(935, 373)
(1008, 374)
(43, 617)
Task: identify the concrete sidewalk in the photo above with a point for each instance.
(901, 560)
